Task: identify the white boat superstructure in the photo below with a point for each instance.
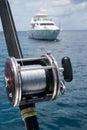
(42, 27)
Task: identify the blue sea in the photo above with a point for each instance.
(68, 111)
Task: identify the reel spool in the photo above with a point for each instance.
(32, 80)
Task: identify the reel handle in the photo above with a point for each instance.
(67, 69)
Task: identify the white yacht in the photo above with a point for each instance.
(44, 28)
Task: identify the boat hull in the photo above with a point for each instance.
(44, 34)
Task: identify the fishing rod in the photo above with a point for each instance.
(14, 50)
(30, 80)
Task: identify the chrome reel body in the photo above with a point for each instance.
(32, 80)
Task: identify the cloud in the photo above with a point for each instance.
(78, 18)
(78, 1)
(22, 11)
(72, 13)
(57, 8)
(68, 12)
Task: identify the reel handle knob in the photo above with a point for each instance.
(67, 73)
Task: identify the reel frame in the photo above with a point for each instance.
(14, 83)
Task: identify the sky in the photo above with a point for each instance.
(68, 14)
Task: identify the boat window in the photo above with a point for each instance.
(33, 25)
(46, 23)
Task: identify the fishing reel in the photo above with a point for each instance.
(32, 80)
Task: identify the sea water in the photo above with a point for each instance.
(68, 111)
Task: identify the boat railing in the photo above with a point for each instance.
(42, 19)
